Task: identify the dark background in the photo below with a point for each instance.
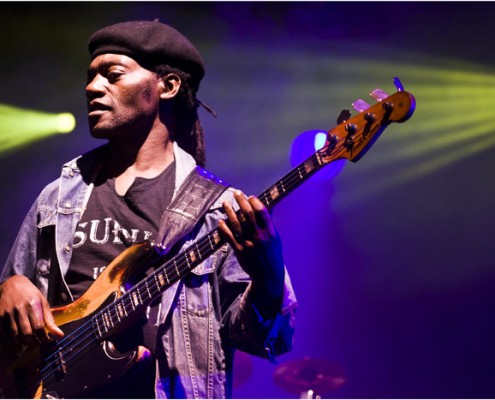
(392, 260)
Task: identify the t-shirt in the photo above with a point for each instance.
(110, 224)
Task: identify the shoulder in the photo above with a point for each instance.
(83, 165)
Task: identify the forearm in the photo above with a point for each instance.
(259, 322)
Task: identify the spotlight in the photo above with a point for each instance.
(65, 123)
(20, 127)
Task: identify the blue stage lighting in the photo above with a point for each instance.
(305, 145)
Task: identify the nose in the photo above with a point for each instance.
(95, 87)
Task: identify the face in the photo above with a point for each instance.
(123, 98)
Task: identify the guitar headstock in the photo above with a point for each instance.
(353, 137)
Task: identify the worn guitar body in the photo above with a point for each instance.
(85, 359)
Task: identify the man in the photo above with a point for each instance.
(141, 94)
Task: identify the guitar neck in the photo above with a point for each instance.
(349, 140)
(144, 292)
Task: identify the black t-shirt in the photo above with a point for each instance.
(110, 224)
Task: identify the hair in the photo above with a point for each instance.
(188, 132)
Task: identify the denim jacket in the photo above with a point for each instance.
(204, 317)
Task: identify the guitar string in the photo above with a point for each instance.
(74, 339)
(89, 339)
(126, 300)
(83, 337)
(81, 334)
(84, 333)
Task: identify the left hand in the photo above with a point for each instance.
(257, 245)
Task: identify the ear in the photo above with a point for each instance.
(170, 85)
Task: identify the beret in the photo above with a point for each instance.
(150, 43)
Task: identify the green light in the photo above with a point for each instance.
(20, 127)
(66, 122)
(454, 118)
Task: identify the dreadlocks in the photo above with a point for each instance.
(188, 131)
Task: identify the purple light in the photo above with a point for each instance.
(305, 145)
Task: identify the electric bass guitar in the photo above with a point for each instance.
(106, 309)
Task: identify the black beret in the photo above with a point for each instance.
(149, 43)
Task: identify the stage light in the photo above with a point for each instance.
(20, 127)
(454, 117)
(453, 120)
(66, 122)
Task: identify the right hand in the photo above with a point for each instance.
(25, 315)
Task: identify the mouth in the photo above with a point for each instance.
(95, 109)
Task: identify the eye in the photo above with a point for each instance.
(113, 76)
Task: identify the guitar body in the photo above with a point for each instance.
(83, 361)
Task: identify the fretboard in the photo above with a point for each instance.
(144, 292)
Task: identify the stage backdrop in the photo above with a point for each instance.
(392, 260)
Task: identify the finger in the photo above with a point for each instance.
(24, 332)
(232, 227)
(262, 215)
(246, 213)
(35, 315)
(228, 234)
(50, 324)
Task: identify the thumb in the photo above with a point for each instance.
(50, 324)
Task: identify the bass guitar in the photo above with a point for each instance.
(105, 310)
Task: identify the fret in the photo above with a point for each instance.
(135, 299)
(166, 275)
(176, 269)
(216, 237)
(211, 242)
(265, 199)
(131, 294)
(198, 252)
(121, 311)
(95, 320)
(148, 290)
(300, 172)
(107, 321)
(116, 308)
(162, 279)
(159, 283)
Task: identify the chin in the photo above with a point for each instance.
(99, 133)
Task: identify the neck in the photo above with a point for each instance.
(138, 157)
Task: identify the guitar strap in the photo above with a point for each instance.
(197, 193)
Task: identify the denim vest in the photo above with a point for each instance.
(204, 317)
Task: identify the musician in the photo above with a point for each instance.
(141, 94)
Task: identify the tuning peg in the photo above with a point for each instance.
(398, 84)
(344, 116)
(378, 95)
(360, 105)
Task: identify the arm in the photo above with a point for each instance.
(263, 317)
(25, 315)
